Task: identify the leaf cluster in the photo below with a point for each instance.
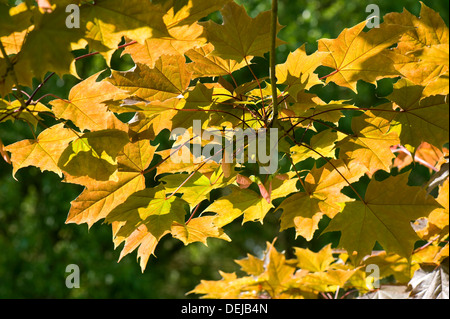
(183, 71)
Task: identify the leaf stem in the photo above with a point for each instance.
(332, 73)
(193, 213)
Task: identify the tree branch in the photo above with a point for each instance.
(273, 48)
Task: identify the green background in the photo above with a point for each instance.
(36, 245)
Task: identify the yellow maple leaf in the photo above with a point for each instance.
(354, 55)
(44, 152)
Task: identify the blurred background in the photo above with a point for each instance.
(36, 245)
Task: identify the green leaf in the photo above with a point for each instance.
(94, 154)
(385, 217)
(418, 119)
(99, 198)
(240, 202)
(149, 207)
(195, 188)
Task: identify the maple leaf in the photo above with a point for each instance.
(169, 78)
(438, 86)
(392, 265)
(297, 71)
(183, 39)
(240, 36)
(47, 27)
(13, 43)
(198, 230)
(195, 187)
(180, 112)
(184, 33)
(168, 166)
(315, 262)
(371, 144)
(321, 145)
(283, 185)
(99, 198)
(150, 207)
(182, 12)
(322, 195)
(430, 284)
(14, 19)
(107, 21)
(251, 265)
(143, 219)
(309, 108)
(437, 54)
(354, 55)
(427, 31)
(327, 281)
(205, 64)
(384, 217)
(43, 152)
(277, 271)
(229, 287)
(438, 220)
(140, 239)
(425, 154)
(110, 158)
(418, 119)
(245, 202)
(150, 117)
(94, 154)
(84, 106)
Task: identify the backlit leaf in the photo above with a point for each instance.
(240, 202)
(143, 219)
(107, 21)
(304, 210)
(99, 198)
(205, 64)
(314, 261)
(371, 144)
(169, 78)
(44, 152)
(297, 72)
(198, 230)
(94, 154)
(355, 54)
(384, 217)
(240, 36)
(418, 119)
(84, 106)
(427, 31)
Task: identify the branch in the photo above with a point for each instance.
(273, 77)
(30, 99)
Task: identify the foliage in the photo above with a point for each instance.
(325, 150)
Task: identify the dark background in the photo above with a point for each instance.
(36, 245)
